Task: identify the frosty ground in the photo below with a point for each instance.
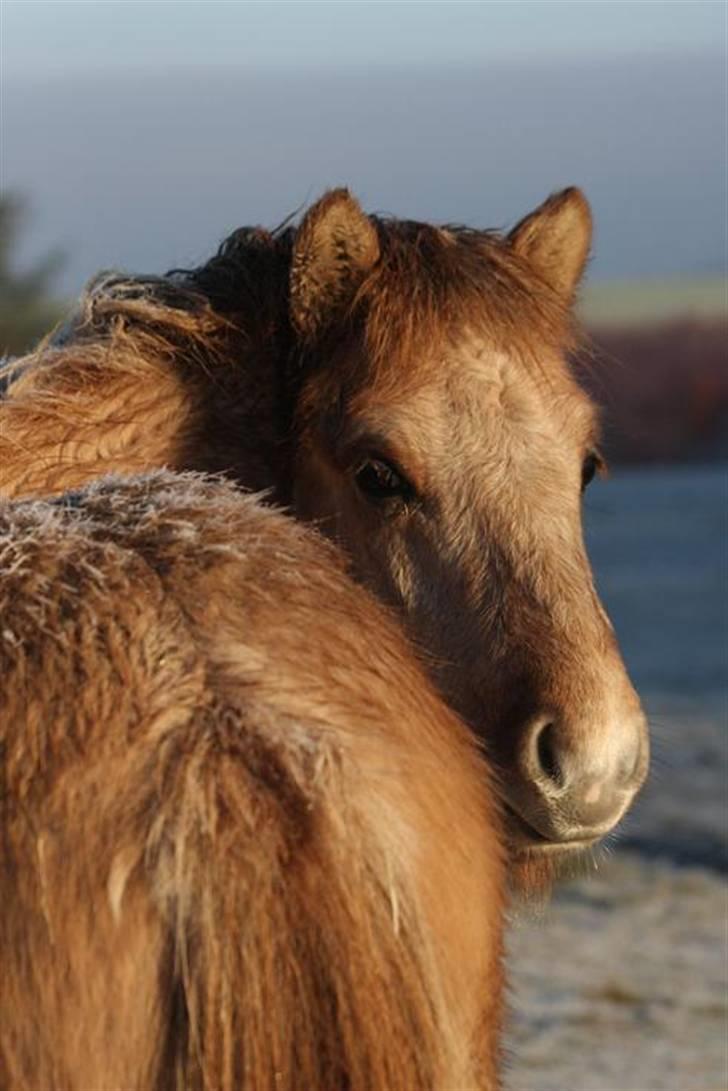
(622, 983)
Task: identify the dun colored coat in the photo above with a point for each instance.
(405, 388)
(245, 847)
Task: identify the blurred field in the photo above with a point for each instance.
(622, 985)
(644, 302)
(663, 388)
(657, 364)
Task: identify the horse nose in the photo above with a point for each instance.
(577, 783)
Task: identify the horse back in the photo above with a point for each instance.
(245, 844)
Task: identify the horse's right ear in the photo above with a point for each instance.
(335, 247)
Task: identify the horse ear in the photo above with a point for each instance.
(555, 239)
(335, 247)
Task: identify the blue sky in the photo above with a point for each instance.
(44, 37)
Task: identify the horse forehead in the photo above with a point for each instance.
(421, 396)
(538, 395)
(472, 389)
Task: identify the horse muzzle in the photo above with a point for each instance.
(573, 785)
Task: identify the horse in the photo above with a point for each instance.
(245, 845)
(406, 388)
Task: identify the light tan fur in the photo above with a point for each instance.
(244, 845)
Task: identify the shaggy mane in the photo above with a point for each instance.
(428, 283)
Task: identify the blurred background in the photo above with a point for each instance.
(138, 135)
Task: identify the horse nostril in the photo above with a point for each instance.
(547, 754)
(570, 785)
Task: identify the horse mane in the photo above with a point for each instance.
(429, 284)
(247, 275)
(202, 368)
(172, 362)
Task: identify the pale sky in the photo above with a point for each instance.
(44, 37)
(141, 133)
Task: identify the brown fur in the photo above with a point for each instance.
(292, 358)
(202, 370)
(148, 374)
(244, 845)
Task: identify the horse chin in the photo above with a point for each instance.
(534, 869)
(531, 877)
(537, 862)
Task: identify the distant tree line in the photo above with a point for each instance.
(27, 307)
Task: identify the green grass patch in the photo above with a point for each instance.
(641, 302)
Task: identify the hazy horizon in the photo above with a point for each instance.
(152, 168)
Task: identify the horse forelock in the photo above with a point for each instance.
(433, 284)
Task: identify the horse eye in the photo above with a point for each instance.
(379, 480)
(589, 467)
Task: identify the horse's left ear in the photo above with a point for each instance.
(335, 247)
(555, 239)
